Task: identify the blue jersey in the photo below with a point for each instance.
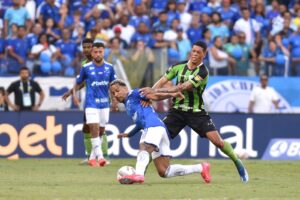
(144, 117)
(97, 80)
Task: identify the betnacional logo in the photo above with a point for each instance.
(233, 96)
(33, 139)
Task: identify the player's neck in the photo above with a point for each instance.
(192, 66)
(98, 63)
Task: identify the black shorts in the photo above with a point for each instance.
(84, 118)
(200, 122)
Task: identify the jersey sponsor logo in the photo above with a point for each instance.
(233, 96)
(282, 149)
(99, 83)
(197, 78)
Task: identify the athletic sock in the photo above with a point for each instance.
(142, 162)
(96, 148)
(228, 150)
(181, 170)
(87, 144)
(104, 145)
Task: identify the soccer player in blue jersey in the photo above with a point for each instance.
(154, 140)
(97, 75)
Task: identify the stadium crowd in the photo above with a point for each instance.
(245, 37)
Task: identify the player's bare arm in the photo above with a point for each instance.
(162, 96)
(70, 92)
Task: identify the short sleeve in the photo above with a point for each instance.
(171, 73)
(274, 95)
(252, 95)
(36, 86)
(81, 77)
(11, 88)
(199, 77)
(112, 75)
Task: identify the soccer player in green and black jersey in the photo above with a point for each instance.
(191, 79)
(87, 48)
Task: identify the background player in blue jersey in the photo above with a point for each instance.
(87, 45)
(97, 75)
(154, 140)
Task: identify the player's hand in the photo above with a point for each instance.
(179, 95)
(122, 135)
(145, 103)
(66, 95)
(76, 100)
(36, 108)
(147, 90)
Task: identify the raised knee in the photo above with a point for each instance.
(162, 173)
(220, 144)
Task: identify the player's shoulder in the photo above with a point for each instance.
(108, 64)
(87, 64)
(181, 64)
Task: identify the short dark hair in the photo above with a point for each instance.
(201, 44)
(118, 82)
(87, 41)
(2, 90)
(98, 44)
(24, 68)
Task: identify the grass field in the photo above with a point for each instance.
(60, 179)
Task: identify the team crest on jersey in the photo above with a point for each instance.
(233, 96)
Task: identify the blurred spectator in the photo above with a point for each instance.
(32, 38)
(248, 53)
(172, 12)
(52, 31)
(185, 17)
(234, 49)
(67, 49)
(161, 23)
(24, 91)
(117, 33)
(16, 15)
(275, 58)
(219, 61)
(274, 12)
(49, 10)
(106, 28)
(195, 30)
(259, 16)
(83, 6)
(3, 104)
(158, 41)
(158, 6)
(205, 20)
(294, 45)
(217, 28)
(139, 17)
(214, 5)
(46, 54)
(197, 5)
(143, 34)
(228, 13)
(126, 30)
(97, 34)
(171, 34)
(115, 52)
(64, 20)
(183, 44)
(30, 6)
(263, 97)
(17, 50)
(249, 26)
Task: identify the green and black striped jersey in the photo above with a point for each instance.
(84, 61)
(193, 101)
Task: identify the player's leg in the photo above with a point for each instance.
(204, 126)
(165, 170)
(174, 122)
(227, 149)
(93, 118)
(87, 142)
(104, 118)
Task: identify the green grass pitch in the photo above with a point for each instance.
(60, 179)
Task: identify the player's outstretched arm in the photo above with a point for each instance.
(70, 92)
(162, 96)
(131, 133)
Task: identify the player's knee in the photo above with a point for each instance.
(101, 131)
(162, 172)
(85, 128)
(219, 144)
(150, 148)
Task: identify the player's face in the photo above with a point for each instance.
(118, 92)
(87, 49)
(98, 54)
(197, 54)
(24, 74)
